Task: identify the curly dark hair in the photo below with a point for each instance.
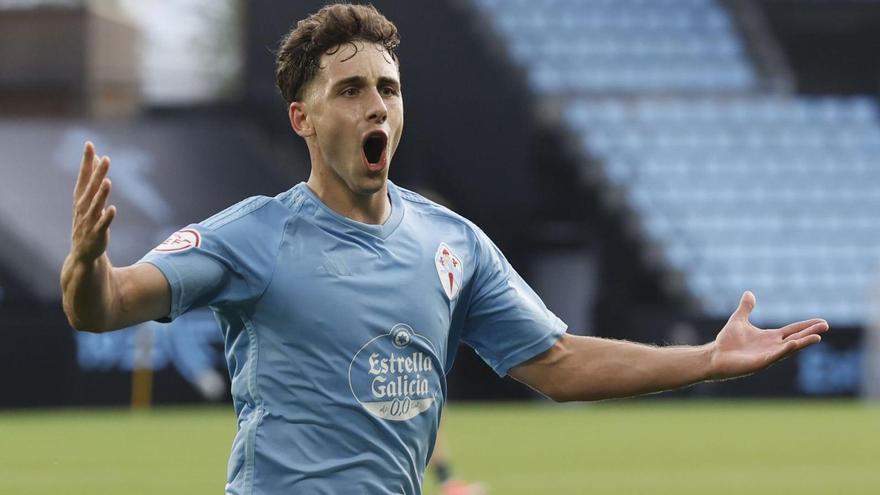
(299, 54)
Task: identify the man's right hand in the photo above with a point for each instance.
(91, 217)
(96, 296)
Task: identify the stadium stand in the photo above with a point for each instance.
(630, 45)
(740, 187)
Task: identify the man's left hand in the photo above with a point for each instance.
(742, 348)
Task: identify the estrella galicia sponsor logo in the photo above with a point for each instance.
(396, 375)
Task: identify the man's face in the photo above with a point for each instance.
(355, 109)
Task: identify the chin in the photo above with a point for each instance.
(368, 186)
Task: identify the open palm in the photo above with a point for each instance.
(742, 348)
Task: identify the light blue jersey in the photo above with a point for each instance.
(339, 334)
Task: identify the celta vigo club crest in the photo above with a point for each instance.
(449, 270)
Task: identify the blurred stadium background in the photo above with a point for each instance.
(641, 163)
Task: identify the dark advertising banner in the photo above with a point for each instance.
(166, 174)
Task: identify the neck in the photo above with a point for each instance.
(373, 208)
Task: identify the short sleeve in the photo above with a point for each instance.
(224, 261)
(506, 322)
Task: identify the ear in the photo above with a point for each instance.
(300, 120)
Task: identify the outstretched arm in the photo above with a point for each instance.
(96, 296)
(590, 368)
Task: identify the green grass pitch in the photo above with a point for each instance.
(627, 447)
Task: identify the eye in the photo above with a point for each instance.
(350, 91)
(389, 90)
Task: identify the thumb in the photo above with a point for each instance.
(746, 305)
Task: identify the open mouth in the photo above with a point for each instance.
(374, 148)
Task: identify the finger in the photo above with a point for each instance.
(99, 171)
(85, 169)
(793, 346)
(815, 329)
(746, 305)
(106, 219)
(99, 200)
(95, 182)
(793, 328)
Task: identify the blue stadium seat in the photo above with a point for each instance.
(738, 189)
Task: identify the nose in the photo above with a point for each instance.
(377, 112)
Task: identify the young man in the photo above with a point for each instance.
(343, 299)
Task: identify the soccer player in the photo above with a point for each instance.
(342, 299)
